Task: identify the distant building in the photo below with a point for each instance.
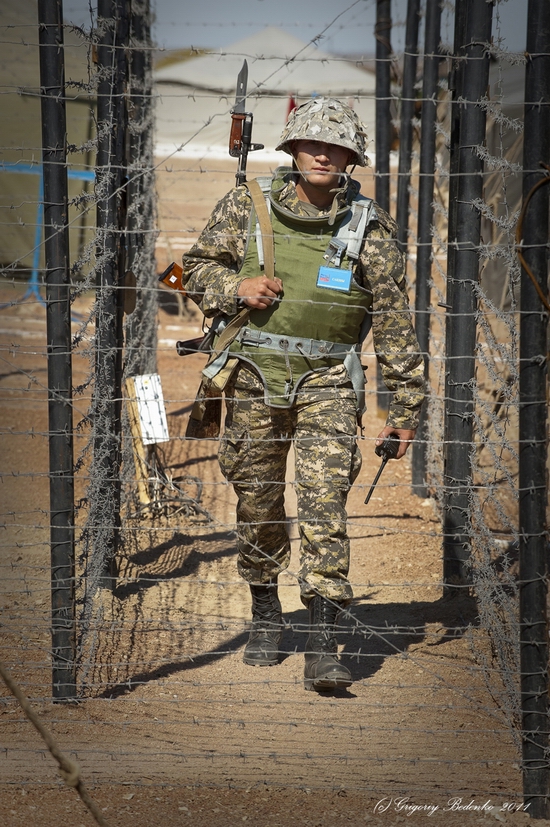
(196, 94)
(21, 137)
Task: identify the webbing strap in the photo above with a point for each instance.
(310, 348)
(352, 230)
(220, 351)
(262, 213)
(316, 349)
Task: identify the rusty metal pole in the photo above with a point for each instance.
(58, 323)
(464, 243)
(428, 119)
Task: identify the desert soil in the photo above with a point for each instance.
(171, 727)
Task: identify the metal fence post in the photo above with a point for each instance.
(113, 31)
(533, 444)
(58, 324)
(465, 228)
(455, 89)
(382, 136)
(408, 104)
(430, 85)
(382, 139)
(140, 346)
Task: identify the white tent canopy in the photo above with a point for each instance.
(278, 63)
(196, 95)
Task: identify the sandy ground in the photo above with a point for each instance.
(172, 728)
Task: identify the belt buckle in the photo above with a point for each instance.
(335, 251)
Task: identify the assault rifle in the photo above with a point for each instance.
(172, 277)
(240, 144)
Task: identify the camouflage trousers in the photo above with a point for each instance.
(322, 428)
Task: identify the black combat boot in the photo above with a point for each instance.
(323, 671)
(262, 648)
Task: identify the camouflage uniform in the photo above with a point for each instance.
(321, 424)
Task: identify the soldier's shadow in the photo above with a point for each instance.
(368, 633)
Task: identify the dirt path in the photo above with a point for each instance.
(174, 727)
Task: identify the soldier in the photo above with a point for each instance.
(291, 371)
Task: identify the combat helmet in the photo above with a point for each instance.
(327, 120)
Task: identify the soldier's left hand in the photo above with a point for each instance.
(405, 438)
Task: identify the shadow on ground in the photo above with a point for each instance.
(368, 633)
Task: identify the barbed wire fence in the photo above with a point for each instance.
(139, 584)
(480, 418)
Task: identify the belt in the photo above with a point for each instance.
(312, 348)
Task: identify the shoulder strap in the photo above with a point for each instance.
(352, 230)
(258, 199)
(219, 353)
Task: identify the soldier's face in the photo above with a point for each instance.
(320, 163)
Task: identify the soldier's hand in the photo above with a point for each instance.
(405, 438)
(259, 292)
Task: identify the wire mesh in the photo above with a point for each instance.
(168, 720)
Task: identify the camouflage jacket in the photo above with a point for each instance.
(211, 279)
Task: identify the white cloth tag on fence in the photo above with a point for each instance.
(150, 403)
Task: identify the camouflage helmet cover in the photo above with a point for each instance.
(327, 120)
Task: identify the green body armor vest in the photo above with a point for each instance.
(321, 317)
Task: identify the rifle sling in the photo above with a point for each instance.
(258, 199)
(229, 332)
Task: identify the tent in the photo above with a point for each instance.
(21, 135)
(195, 96)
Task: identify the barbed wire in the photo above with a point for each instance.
(468, 652)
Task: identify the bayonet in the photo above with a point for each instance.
(242, 83)
(241, 127)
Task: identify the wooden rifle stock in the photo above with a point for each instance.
(172, 277)
(236, 135)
